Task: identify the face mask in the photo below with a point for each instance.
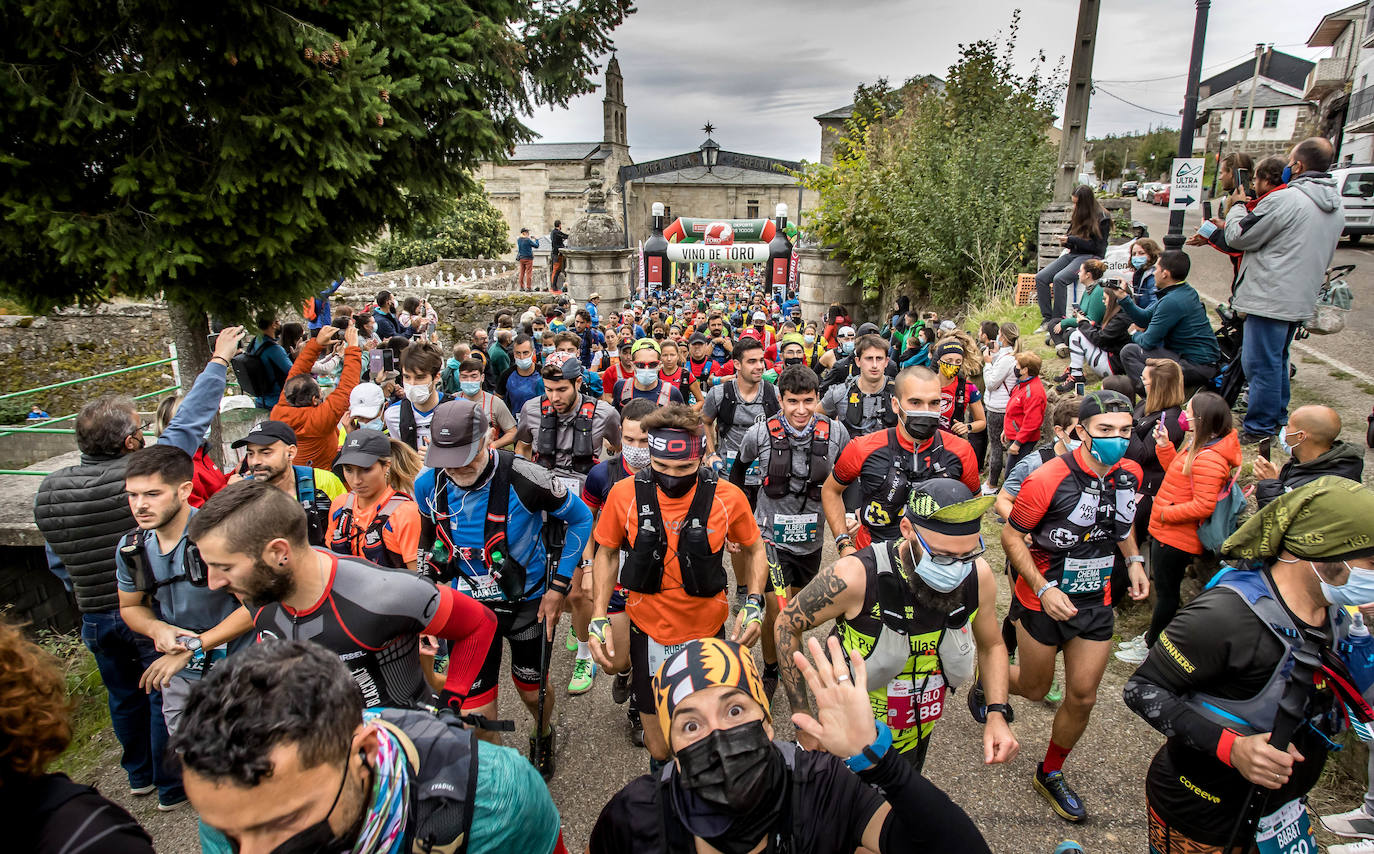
(792, 360)
(758, 326)
(729, 769)
(847, 347)
(418, 394)
(319, 837)
(378, 424)
(548, 349)
(921, 425)
(1138, 261)
(1287, 175)
(1357, 590)
(1073, 444)
(635, 458)
(1108, 450)
(646, 376)
(470, 387)
(809, 338)
(524, 364)
(1183, 423)
(941, 577)
(948, 371)
(1288, 449)
(675, 485)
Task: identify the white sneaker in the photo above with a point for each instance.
(1137, 642)
(1132, 654)
(988, 489)
(1356, 823)
(1364, 847)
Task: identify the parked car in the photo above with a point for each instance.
(1356, 184)
(1128, 188)
(1161, 195)
(1142, 193)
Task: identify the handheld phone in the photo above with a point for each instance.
(1243, 181)
(383, 361)
(1078, 389)
(1207, 209)
(1264, 448)
(212, 338)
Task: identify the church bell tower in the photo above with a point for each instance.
(613, 109)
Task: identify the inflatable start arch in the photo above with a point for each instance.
(718, 241)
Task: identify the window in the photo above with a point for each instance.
(1271, 118)
(668, 214)
(1358, 185)
(1243, 118)
(751, 209)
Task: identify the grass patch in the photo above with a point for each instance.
(1311, 360)
(90, 711)
(1341, 375)
(1367, 388)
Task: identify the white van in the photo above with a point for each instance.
(1356, 186)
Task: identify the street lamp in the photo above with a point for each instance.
(710, 152)
(1216, 173)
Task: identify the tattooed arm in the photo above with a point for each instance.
(835, 591)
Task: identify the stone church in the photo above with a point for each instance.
(545, 181)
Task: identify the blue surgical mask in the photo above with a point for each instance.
(1138, 261)
(1287, 174)
(1288, 449)
(847, 347)
(470, 387)
(1109, 450)
(646, 376)
(524, 364)
(944, 577)
(378, 424)
(548, 348)
(1073, 444)
(1357, 590)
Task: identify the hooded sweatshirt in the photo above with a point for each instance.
(1289, 239)
(1187, 500)
(1343, 460)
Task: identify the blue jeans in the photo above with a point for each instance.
(1264, 358)
(1053, 282)
(136, 717)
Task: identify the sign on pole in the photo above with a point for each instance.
(1185, 190)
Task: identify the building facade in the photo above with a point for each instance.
(1341, 82)
(1282, 114)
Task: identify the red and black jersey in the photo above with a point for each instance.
(886, 466)
(1075, 520)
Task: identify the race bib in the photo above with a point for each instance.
(729, 458)
(573, 485)
(200, 666)
(1286, 831)
(483, 587)
(659, 653)
(906, 707)
(1086, 575)
(796, 528)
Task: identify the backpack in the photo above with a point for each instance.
(1225, 518)
(308, 310)
(251, 371)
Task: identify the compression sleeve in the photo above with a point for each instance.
(922, 816)
(471, 626)
(579, 522)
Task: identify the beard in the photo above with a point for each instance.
(927, 597)
(266, 584)
(268, 474)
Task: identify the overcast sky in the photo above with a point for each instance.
(759, 71)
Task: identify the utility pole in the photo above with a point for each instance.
(1174, 239)
(1250, 111)
(1076, 105)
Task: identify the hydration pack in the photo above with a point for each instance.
(777, 482)
(583, 448)
(702, 568)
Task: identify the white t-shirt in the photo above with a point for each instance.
(392, 416)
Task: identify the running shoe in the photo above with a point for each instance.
(1364, 847)
(636, 727)
(1068, 846)
(583, 675)
(1056, 693)
(172, 806)
(620, 688)
(1069, 383)
(1062, 351)
(541, 751)
(988, 489)
(572, 640)
(1045, 324)
(1138, 640)
(1132, 654)
(1063, 800)
(1357, 823)
(140, 791)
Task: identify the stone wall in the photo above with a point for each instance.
(30, 594)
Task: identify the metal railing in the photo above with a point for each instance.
(1361, 104)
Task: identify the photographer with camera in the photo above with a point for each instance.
(1175, 327)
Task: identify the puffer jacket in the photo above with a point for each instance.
(82, 510)
(1343, 460)
(1289, 239)
(1185, 501)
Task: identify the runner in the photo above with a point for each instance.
(795, 450)
(1234, 670)
(886, 465)
(735, 406)
(1078, 511)
(377, 518)
(677, 375)
(863, 403)
(958, 396)
(408, 419)
(915, 608)
(270, 458)
(668, 515)
(254, 545)
(482, 526)
(646, 361)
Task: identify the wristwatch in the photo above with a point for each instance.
(873, 753)
(1140, 559)
(1004, 708)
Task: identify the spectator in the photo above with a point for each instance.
(1289, 239)
(37, 413)
(418, 318)
(521, 383)
(1144, 255)
(384, 313)
(1186, 499)
(592, 302)
(304, 408)
(208, 478)
(291, 336)
(365, 405)
(1214, 233)
(408, 419)
(999, 381)
(276, 363)
(557, 239)
(1089, 226)
(1089, 305)
(1310, 438)
(320, 307)
(48, 813)
(83, 512)
(1175, 327)
(524, 259)
(1025, 410)
(367, 331)
(1097, 344)
(498, 356)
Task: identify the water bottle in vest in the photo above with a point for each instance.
(1359, 659)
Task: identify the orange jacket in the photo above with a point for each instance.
(317, 427)
(1185, 501)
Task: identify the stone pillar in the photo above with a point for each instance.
(608, 272)
(821, 280)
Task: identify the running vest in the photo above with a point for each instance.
(882, 508)
(1256, 714)
(583, 448)
(627, 391)
(494, 552)
(777, 482)
(343, 537)
(854, 405)
(442, 755)
(702, 568)
(316, 503)
(1081, 545)
(408, 431)
(133, 547)
(729, 402)
(956, 414)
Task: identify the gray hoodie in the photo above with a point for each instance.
(1289, 239)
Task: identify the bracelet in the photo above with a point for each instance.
(844, 538)
(560, 585)
(1048, 585)
(1140, 559)
(872, 754)
(220, 358)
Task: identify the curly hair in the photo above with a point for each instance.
(35, 715)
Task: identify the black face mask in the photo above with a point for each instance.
(792, 360)
(731, 770)
(921, 425)
(674, 485)
(319, 837)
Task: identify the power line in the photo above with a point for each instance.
(1132, 103)
(1247, 55)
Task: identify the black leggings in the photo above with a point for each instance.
(1168, 565)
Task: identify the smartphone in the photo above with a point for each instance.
(383, 361)
(212, 338)
(1264, 447)
(1078, 389)
(1243, 181)
(1206, 208)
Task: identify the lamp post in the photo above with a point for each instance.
(710, 152)
(1174, 238)
(1216, 173)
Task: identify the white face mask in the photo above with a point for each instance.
(418, 394)
(636, 458)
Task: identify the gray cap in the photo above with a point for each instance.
(456, 433)
(363, 447)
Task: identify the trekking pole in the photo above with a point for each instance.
(555, 532)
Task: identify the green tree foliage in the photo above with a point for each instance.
(1163, 144)
(473, 229)
(1108, 166)
(945, 193)
(233, 155)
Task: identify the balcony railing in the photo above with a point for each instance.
(1326, 76)
(1359, 116)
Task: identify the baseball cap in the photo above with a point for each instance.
(1103, 401)
(561, 366)
(758, 315)
(363, 447)
(267, 432)
(698, 338)
(946, 506)
(645, 344)
(868, 329)
(366, 401)
(456, 433)
(845, 331)
(948, 324)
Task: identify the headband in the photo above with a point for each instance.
(949, 348)
(703, 664)
(674, 443)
